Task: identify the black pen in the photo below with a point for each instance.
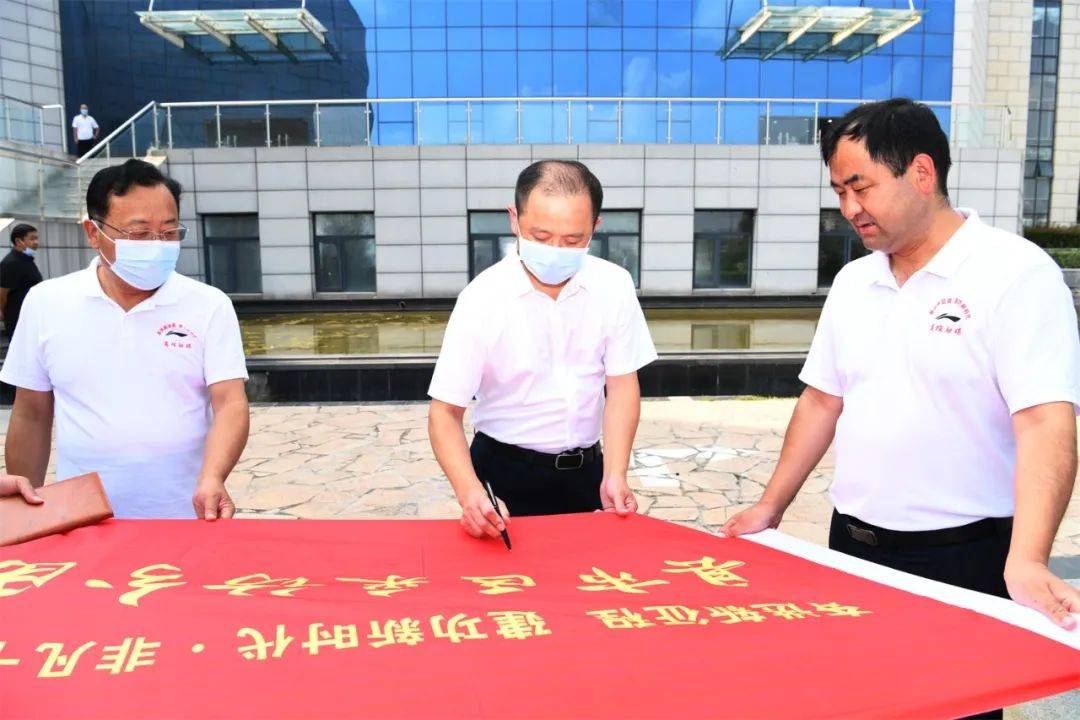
(495, 502)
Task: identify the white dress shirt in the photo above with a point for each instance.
(932, 372)
(537, 366)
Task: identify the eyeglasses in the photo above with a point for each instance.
(173, 234)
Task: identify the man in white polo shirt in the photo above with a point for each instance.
(142, 367)
(947, 363)
(84, 131)
(538, 338)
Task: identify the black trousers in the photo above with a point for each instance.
(529, 489)
(976, 565)
(84, 146)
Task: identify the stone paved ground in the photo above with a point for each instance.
(695, 462)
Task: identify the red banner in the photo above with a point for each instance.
(588, 616)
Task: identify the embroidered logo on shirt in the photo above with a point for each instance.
(948, 315)
(176, 336)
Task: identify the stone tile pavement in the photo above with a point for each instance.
(696, 462)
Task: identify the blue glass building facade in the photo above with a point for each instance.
(507, 49)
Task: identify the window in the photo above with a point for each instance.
(838, 244)
(618, 240)
(722, 247)
(232, 252)
(344, 252)
(1042, 105)
(489, 239)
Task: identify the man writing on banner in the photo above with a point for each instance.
(947, 365)
(142, 367)
(539, 339)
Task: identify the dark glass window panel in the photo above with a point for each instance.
(838, 244)
(722, 248)
(232, 252)
(344, 252)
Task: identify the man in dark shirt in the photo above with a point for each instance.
(18, 273)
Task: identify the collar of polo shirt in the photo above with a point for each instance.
(167, 294)
(947, 260)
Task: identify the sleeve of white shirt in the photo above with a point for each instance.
(223, 354)
(820, 370)
(460, 366)
(93, 123)
(630, 347)
(1034, 341)
(24, 366)
(75, 121)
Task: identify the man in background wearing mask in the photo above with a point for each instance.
(84, 130)
(537, 338)
(18, 273)
(142, 367)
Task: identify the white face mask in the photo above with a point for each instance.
(143, 264)
(549, 264)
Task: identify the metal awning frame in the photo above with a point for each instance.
(829, 26)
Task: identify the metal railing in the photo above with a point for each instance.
(36, 184)
(26, 123)
(514, 120)
(124, 140)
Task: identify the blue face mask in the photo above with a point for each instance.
(549, 264)
(144, 264)
(29, 252)
(84, 111)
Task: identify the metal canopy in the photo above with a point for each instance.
(243, 35)
(828, 32)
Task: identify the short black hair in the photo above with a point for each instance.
(20, 231)
(895, 131)
(118, 179)
(558, 177)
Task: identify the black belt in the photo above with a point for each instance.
(884, 538)
(568, 460)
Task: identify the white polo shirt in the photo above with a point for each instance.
(130, 389)
(932, 372)
(84, 125)
(537, 366)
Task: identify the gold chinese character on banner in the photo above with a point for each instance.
(502, 584)
(259, 647)
(833, 609)
(385, 588)
(731, 614)
(785, 611)
(519, 624)
(282, 587)
(624, 582)
(6, 661)
(676, 615)
(621, 619)
(130, 654)
(707, 569)
(149, 579)
(457, 628)
(340, 637)
(405, 631)
(58, 664)
(16, 575)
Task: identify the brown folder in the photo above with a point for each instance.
(68, 504)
